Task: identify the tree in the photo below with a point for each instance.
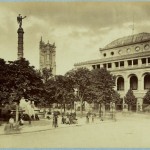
(4, 91)
(19, 79)
(130, 99)
(81, 80)
(60, 90)
(116, 97)
(103, 83)
(46, 74)
(25, 81)
(103, 87)
(146, 99)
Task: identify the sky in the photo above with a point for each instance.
(78, 29)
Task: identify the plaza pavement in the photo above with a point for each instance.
(45, 124)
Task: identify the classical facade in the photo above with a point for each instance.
(128, 58)
(48, 56)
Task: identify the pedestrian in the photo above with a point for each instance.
(102, 116)
(63, 119)
(29, 120)
(67, 120)
(56, 121)
(87, 118)
(53, 123)
(11, 122)
(93, 116)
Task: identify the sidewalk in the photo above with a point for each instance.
(45, 124)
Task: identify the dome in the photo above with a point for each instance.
(128, 40)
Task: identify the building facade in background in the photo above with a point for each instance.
(48, 56)
(128, 58)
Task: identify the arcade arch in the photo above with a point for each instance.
(120, 83)
(147, 81)
(133, 82)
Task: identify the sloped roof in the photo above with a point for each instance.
(128, 40)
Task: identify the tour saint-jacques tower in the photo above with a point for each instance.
(47, 56)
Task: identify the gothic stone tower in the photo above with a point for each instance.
(47, 56)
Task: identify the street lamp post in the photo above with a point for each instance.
(76, 90)
(75, 93)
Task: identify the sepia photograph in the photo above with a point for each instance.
(74, 74)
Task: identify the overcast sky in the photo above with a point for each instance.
(78, 29)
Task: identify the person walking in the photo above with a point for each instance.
(93, 116)
(55, 121)
(63, 119)
(87, 118)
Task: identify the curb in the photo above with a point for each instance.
(41, 130)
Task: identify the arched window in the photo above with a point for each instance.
(120, 84)
(147, 81)
(133, 83)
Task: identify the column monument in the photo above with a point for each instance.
(20, 36)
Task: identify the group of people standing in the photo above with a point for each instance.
(66, 119)
(88, 116)
(69, 118)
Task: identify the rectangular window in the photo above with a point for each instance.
(149, 60)
(109, 65)
(93, 66)
(143, 60)
(98, 66)
(104, 65)
(116, 64)
(135, 62)
(121, 63)
(129, 62)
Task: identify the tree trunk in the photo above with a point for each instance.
(100, 110)
(71, 107)
(17, 114)
(129, 107)
(81, 107)
(61, 109)
(64, 108)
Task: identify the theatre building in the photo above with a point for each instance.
(128, 58)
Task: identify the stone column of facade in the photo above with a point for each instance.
(146, 61)
(20, 43)
(140, 83)
(113, 65)
(140, 89)
(126, 83)
(101, 65)
(131, 63)
(139, 62)
(139, 104)
(53, 59)
(125, 64)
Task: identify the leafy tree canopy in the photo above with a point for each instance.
(19, 79)
(146, 99)
(130, 99)
(102, 84)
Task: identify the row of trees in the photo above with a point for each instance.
(19, 79)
